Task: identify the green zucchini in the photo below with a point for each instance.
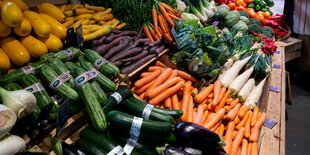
(19, 73)
(101, 139)
(88, 147)
(60, 68)
(12, 86)
(137, 109)
(62, 55)
(48, 74)
(106, 84)
(107, 69)
(111, 101)
(86, 92)
(35, 113)
(124, 121)
(176, 114)
(101, 96)
(47, 56)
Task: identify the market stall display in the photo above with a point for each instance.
(206, 97)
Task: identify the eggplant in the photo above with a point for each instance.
(193, 151)
(174, 151)
(192, 133)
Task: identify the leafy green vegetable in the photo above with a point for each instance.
(268, 32)
(209, 29)
(244, 19)
(254, 28)
(240, 26)
(232, 18)
(255, 21)
(245, 14)
(221, 12)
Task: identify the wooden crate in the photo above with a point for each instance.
(292, 48)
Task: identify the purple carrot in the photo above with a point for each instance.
(128, 53)
(131, 46)
(141, 41)
(101, 40)
(123, 44)
(155, 43)
(139, 34)
(137, 57)
(132, 67)
(118, 63)
(102, 49)
(159, 49)
(126, 33)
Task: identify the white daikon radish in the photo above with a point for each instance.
(7, 120)
(232, 72)
(10, 145)
(246, 90)
(236, 85)
(255, 94)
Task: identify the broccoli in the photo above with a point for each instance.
(244, 19)
(254, 28)
(255, 21)
(232, 18)
(240, 26)
(245, 14)
(268, 32)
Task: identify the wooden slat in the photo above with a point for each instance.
(292, 55)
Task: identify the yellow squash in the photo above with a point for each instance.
(52, 10)
(68, 23)
(96, 8)
(21, 4)
(58, 29)
(40, 27)
(24, 29)
(4, 62)
(83, 16)
(17, 53)
(63, 8)
(52, 43)
(4, 30)
(98, 33)
(35, 47)
(11, 14)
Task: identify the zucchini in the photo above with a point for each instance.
(111, 101)
(47, 56)
(35, 113)
(101, 96)
(12, 86)
(86, 92)
(106, 84)
(124, 121)
(107, 69)
(137, 110)
(19, 73)
(60, 68)
(88, 147)
(63, 56)
(101, 139)
(176, 114)
(48, 74)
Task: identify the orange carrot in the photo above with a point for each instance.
(173, 74)
(229, 136)
(216, 91)
(190, 109)
(148, 33)
(162, 106)
(255, 129)
(186, 76)
(234, 103)
(219, 115)
(167, 93)
(167, 37)
(233, 113)
(158, 33)
(237, 141)
(244, 120)
(216, 125)
(217, 131)
(235, 133)
(236, 120)
(154, 35)
(160, 64)
(157, 90)
(243, 110)
(160, 30)
(142, 96)
(154, 16)
(239, 150)
(165, 14)
(159, 80)
(175, 101)
(172, 16)
(221, 132)
(194, 91)
(222, 93)
(144, 88)
(247, 126)
(133, 88)
(210, 100)
(205, 116)
(210, 116)
(249, 149)
(199, 116)
(186, 100)
(227, 108)
(244, 147)
(255, 115)
(254, 150)
(211, 95)
(167, 7)
(145, 80)
(144, 74)
(223, 101)
(167, 103)
(229, 100)
(161, 24)
(203, 94)
(154, 68)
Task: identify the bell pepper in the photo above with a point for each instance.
(241, 3)
(255, 2)
(232, 6)
(262, 4)
(248, 1)
(240, 8)
(257, 8)
(270, 12)
(264, 9)
(251, 12)
(267, 14)
(251, 5)
(260, 17)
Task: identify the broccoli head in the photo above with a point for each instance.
(268, 32)
(244, 13)
(255, 21)
(240, 26)
(255, 28)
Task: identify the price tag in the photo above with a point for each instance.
(147, 111)
(81, 79)
(276, 66)
(79, 35)
(117, 97)
(117, 151)
(28, 69)
(34, 88)
(278, 52)
(69, 54)
(286, 41)
(136, 126)
(274, 88)
(98, 63)
(59, 80)
(269, 123)
(62, 116)
(132, 141)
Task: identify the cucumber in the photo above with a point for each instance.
(137, 109)
(35, 113)
(62, 55)
(107, 69)
(111, 101)
(60, 68)
(88, 147)
(176, 114)
(101, 139)
(12, 86)
(106, 84)
(124, 121)
(48, 74)
(86, 92)
(101, 96)
(19, 73)
(47, 56)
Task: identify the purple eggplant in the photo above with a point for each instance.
(123, 44)
(102, 49)
(128, 53)
(137, 57)
(132, 67)
(174, 151)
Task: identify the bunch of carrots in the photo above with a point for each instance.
(212, 107)
(162, 15)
